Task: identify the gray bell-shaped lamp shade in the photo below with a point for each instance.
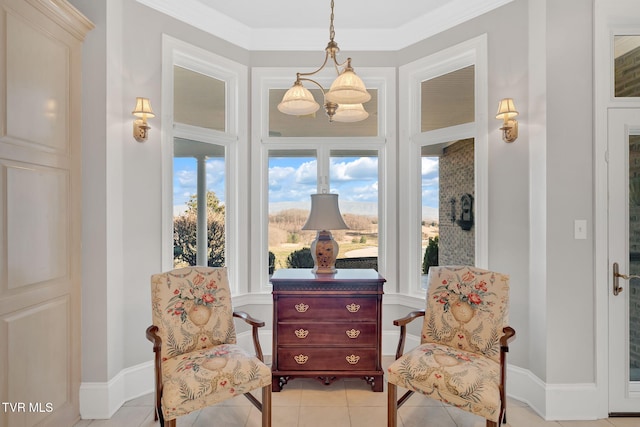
(325, 213)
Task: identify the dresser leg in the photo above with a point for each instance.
(378, 383)
(275, 384)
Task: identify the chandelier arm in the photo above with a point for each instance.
(326, 58)
(346, 64)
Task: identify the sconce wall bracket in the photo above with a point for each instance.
(140, 130)
(510, 130)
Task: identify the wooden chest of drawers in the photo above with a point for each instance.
(327, 326)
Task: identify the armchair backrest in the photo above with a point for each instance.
(467, 308)
(192, 309)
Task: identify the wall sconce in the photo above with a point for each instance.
(507, 112)
(143, 111)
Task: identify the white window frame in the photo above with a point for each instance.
(264, 79)
(471, 52)
(235, 140)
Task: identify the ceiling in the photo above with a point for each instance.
(304, 24)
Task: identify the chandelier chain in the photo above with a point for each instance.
(332, 32)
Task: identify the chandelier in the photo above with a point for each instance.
(343, 101)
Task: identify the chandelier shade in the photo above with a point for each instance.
(298, 101)
(349, 113)
(348, 88)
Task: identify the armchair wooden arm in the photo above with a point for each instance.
(509, 335)
(402, 322)
(255, 324)
(152, 335)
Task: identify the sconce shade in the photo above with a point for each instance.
(325, 213)
(348, 88)
(506, 113)
(348, 113)
(143, 108)
(506, 109)
(298, 101)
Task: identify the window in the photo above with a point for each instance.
(443, 165)
(294, 175)
(300, 156)
(205, 189)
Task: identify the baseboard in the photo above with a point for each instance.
(99, 401)
(552, 402)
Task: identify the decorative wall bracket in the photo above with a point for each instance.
(466, 212)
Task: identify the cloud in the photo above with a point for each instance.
(288, 183)
(362, 168)
(430, 165)
(307, 173)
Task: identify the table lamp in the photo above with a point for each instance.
(324, 216)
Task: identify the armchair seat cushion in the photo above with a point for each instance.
(464, 379)
(201, 378)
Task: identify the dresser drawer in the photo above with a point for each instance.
(318, 333)
(326, 359)
(327, 308)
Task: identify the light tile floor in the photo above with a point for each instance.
(345, 403)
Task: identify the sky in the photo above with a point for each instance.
(293, 179)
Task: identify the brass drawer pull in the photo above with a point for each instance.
(353, 333)
(353, 359)
(353, 307)
(302, 307)
(301, 359)
(301, 333)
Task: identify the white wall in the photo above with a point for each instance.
(122, 178)
(570, 274)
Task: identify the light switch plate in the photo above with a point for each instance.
(580, 229)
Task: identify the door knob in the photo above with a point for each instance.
(617, 275)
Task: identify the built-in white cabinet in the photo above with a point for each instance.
(40, 211)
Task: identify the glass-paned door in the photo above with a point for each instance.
(624, 250)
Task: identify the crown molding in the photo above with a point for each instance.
(211, 21)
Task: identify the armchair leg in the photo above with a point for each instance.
(392, 405)
(492, 424)
(266, 406)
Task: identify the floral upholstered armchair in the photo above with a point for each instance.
(197, 361)
(461, 358)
